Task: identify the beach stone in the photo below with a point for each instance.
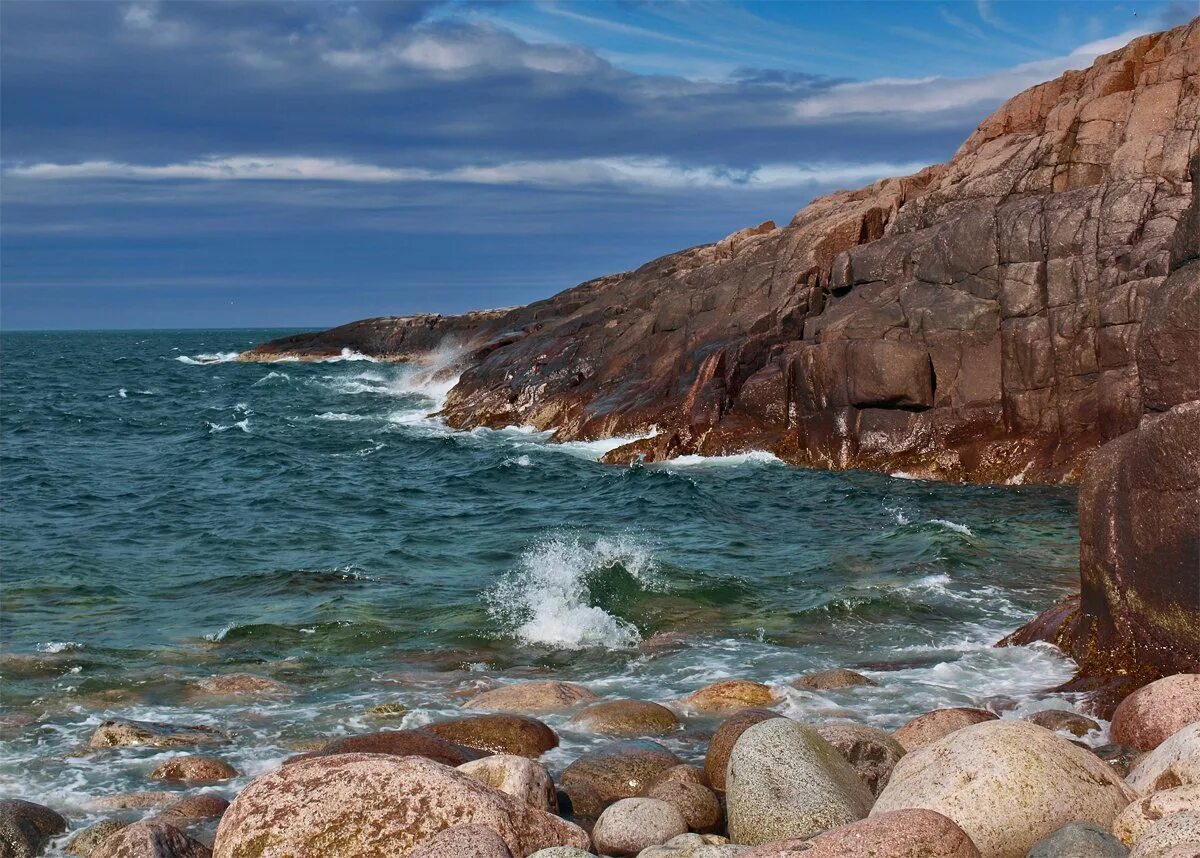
(627, 718)
(1060, 720)
(633, 824)
(463, 841)
(833, 679)
(1175, 762)
(242, 684)
(1153, 713)
(722, 742)
(518, 776)
(684, 773)
(193, 809)
(1174, 836)
(730, 696)
(193, 767)
(497, 734)
(614, 771)
(26, 828)
(375, 805)
(1134, 820)
(898, 834)
(696, 802)
(940, 722)
(1079, 840)
(132, 800)
(398, 743)
(695, 846)
(562, 852)
(1007, 784)
(533, 698)
(85, 841)
(125, 733)
(872, 752)
(785, 781)
(150, 839)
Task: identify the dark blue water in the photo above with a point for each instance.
(169, 514)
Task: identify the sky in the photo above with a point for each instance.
(221, 164)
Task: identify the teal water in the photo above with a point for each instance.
(169, 514)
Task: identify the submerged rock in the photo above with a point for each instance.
(1175, 762)
(723, 698)
(633, 824)
(614, 771)
(627, 718)
(532, 698)
(126, 733)
(1061, 720)
(26, 828)
(497, 734)
(716, 761)
(193, 767)
(243, 684)
(517, 776)
(151, 839)
(833, 679)
(871, 751)
(931, 726)
(1079, 840)
(1155, 712)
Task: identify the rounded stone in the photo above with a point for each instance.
(518, 776)
(627, 718)
(132, 800)
(562, 852)
(934, 725)
(1007, 784)
(497, 734)
(685, 773)
(898, 834)
(374, 805)
(398, 743)
(84, 842)
(732, 695)
(612, 772)
(871, 751)
(1079, 840)
(1153, 713)
(696, 802)
(1134, 820)
(722, 742)
(463, 841)
(194, 808)
(1175, 836)
(1063, 721)
(242, 684)
(533, 698)
(633, 824)
(1176, 762)
(193, 767)
(695, 846)
(26, 828)
(785, 781)
(833, 679)
(125, 733)
(150, 839)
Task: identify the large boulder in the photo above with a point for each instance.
(931, 726)
(497, 734)
(518, 776)
(627, 718)
(1079, 840)
(375, 806)
(785, 781)
(614, 771)
(126, 733)
(399, 743)
(26, 828)
(532, 698)
(871, 751)
(716, 760)
(463, 841)
(898, 834)
(632, 824)
(1175, 762)
(150, 839)
(1155, 712)
(1136, 819)
(731, 695)
(1007, 783)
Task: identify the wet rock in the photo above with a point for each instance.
(151, 839)
(833, 679)
(1079, 840)
(729, 696)
(562, 852)
(871, 751)
(1121, 759)
(695, 846)
(1134, 820)
(1063, 721)
(1175, 836)
(785, 781)
(132, 800)
(26, 828)
(614, 771)
(633, 824)
(497, 734)
(898, 834)
(682, 773)
(722, 742)
(244, 685)
(194, 808)
(387, 710)
(463, 841)
(517, 776)
(125, 733)
(532, 698)
(697, 803)
(365, 805)
(399, 743)
(932, 726)
(193, 767)
(85, 842)
(1176, 762)
(1007, 784)
(627, 718)
(1153, 713)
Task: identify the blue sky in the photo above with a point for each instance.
(193, 164)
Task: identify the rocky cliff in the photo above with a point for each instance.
(980, 320)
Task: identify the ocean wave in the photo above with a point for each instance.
(243, 424)
(208, 358)
(754, 457)
(952, 525)
(341, 416)
(272, 376)
(58, 646)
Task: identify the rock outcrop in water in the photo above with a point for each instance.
(980, 320)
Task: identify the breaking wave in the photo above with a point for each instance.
(208, 358)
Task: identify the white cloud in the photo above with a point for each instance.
(629, 172)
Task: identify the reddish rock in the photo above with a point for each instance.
(497, 734)
(399, 743)
(132, 800)
(614, 771)
(463, 841)
(26, 828)
(1061, 720)
(1154, 713)
(931, 726)
(896, 834)
(627, 718)
(697, 803)
(731, 695)
(151, 839)
(85, 842)
(872, 752)
(193, 809)
(242, 684)
(721, 745)
(533, 698)
(831, 680)
(193, 767)
(126, 733)
(520, 777)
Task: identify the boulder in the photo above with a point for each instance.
(150, 839)
(696, 802)
(722, 698)
(1079, 840)
(193, 767)
(125, 733)
(133, 800)
(716, 761)
(630, 825)
(463, 841)
(898, 834)
(532, 698)
(1175, 836)
(684, 773)
(785, 781)
(1064, 721)
(85, 842)
(614, 771)
(194, 808)
(833, 679)
(375, 805)
(399, 743)
(1175, 762)
(26, 828)
(934, 725)
(627, 718)
(1139, 816)
(1007, 783)
(695, 846)
(497, 734)
(518, 776)
(871, 751)
(242, 685)
(1153, 713)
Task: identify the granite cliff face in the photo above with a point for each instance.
(980, 320)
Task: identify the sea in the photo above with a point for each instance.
(170, 514)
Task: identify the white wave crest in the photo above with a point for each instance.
(546, 600)
(58, 646)
(952, 525)
(754, 457)
(341, 416)
(243, 424)
(272, 376)
(208, 358)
